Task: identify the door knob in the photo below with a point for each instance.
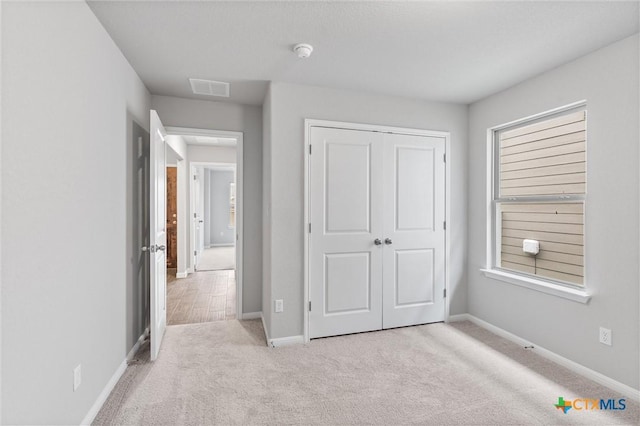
(377, 241)
(388, 241)
(144, 248)
(160, 248)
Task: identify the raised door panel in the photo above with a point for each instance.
(414, 188)
(348, 187)
(414, 277)
(347, 283)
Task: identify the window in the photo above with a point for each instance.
(539, 189)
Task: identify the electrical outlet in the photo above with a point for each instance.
(77, 377)
(605, 336)
(279, 305)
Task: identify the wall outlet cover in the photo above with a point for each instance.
(605, 336)
(279, 306)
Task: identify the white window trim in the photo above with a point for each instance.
(565, 292)
(558, 289)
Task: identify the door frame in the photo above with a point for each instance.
(217, 165)
(239, 170)
(308, 124)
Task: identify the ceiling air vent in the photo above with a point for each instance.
(209, 87)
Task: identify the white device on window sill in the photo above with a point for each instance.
(531, 247)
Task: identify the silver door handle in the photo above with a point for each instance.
(388, 241)
(377, 241)
(201, 221)
(144, 248)
(160, 248)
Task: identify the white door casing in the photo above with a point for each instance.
(414, 235)
(367, 185)
(158, 235)
(345, 262)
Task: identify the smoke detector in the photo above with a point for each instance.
(303, 50)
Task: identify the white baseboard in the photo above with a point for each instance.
(135, 348)
(458, 317)
(190, 270)
(287, 341)
(251, 315)
(221, 245)
(266, 330)
(95, 408)
(280, 341)
(552, 356)
(182, 274)
(97, 405)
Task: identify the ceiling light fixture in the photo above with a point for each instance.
(303, 50)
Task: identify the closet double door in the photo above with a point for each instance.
(377, 239)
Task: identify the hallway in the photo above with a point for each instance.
(201, 297)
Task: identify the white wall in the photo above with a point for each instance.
(68, 99)
(608, 80)
(179, 112)
(290, 105)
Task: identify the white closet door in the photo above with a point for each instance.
(345, 264)
(414, 236)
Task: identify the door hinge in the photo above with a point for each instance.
(445, 292)
(309, 305)
(194, 216)
(444, 157)
(195, 252)
(195, 177)
(309, 149)
(309, 227)
(444, 225)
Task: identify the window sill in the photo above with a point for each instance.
(574, 294)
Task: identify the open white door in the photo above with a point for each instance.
(158, 235)
(198, 216)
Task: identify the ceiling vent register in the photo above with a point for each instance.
(209, 87)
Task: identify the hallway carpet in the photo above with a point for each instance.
(222, 373)
(217, 259)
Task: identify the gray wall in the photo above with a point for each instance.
(69, 101)
(220, 232)
(290, 105)
(266, 212)
(608, 80)
(241, 118)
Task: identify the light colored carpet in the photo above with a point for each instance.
(222, 373)
(217, 258)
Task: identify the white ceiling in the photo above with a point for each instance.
(443, 51)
